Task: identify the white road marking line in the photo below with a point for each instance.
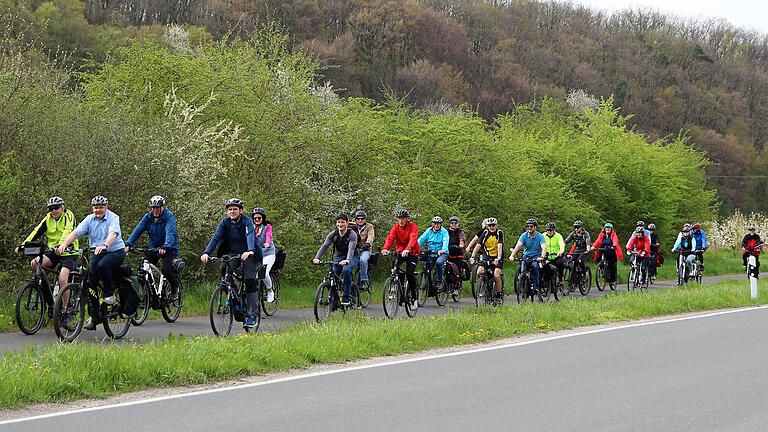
(382, 364)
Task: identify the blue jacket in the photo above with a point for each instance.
(701, 239)
(236, 236)
(162, 231)
(435, 240)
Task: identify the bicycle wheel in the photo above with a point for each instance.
(441, 294)
(522, 287)
(322, 304)
(600, 281)
(585, 281)
(631, 278)
(269, 308)
(30, 308)
(365, 294)
(482, 292)
(545, 289)
(220, 311)
(390, 298)
(143, 310)
(172, 306)
(569, 282)
(116, 323)
(422, 279)
(473, 280)
(68, 316)
(456, 291)
(409, 310)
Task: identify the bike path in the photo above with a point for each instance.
(192, 326)
(687, 374)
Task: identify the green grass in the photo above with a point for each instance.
(198, 294)
(67, 372)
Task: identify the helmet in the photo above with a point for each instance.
(437, 219)
(403, 213)
(608, 225)
(361, 214)
(640, 223)
(99, 200)
(533, 222)
(157, 201)
(492, 221)
(651, 227)
(178, 265)
(578, 224)
(696, 226)
(343, 216)
(454, 219)
(639, 229)
(750, 227)
(234, 202)
(259, 211)
(686, 225)
(686, 229)
(550, 226)
(55, 201)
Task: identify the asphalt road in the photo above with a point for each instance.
(159, 329)
(701, 373)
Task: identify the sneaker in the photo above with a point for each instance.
(270, 295)
(90, 325)
(110, 300)
(414, 305)
(250, 322)
(345, 302)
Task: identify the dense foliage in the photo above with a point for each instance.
(201, 123)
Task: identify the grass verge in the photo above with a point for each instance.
(67, 372)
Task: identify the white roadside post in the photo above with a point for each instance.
(751, 264)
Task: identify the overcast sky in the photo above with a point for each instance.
(751, 15)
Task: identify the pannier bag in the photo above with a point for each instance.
(280, 255)
(129, 290)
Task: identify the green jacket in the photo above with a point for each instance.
(55, 231)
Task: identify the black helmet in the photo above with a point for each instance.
(361, 214)
(403, 213)
(234, 202)
(157, 201)
(651, 227)
(533, 222)
(550, 226)
(454, 219)
(259, 211)
(640, 223)
(578, 224)
(99, 200)
(55, 201)
(343, 216)
(437, 219)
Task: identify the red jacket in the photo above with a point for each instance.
(614, 240)
(406, 237)
(642, 244)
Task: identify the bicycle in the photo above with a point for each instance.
(577, 274)
(486, 284)
(636, 279)
(455, 272)
(68, 317)
(548, 285)
(329, 294)
(365, 289)
(697, 273)
(155, 295)
(425, 279)
(524, 287)
(267, 307)
(601, 274)
(685, 269)
(396, 291)
(35, 296)
(228, 301)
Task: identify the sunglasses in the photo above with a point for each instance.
(454, 222)
(257, 217)
(154, 207)
(490, 225)
(550, 230)
(52, 208)
(530, 226)
(360, 218)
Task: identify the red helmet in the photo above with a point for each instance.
(696, 226)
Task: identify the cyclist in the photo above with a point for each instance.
(457, 236)
(686, 244)
(235, 235)
(701, 242)
(436, 240)
(105, 235)
(582, 243)
(639, 224)
(555, 248)
(404, 236)
(366, 234)
(344, 241)
(55, 226)
(641, 245)
(160, 224)
(751, 244)
(262, 231)
(610, 240)
(655, 260)
(535, 247)
(491, 244)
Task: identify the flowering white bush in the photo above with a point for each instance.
(729, 231)
(579, 100)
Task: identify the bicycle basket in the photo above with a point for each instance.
(280, 255)
(33, 248)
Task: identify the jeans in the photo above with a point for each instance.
(100, 268)
(346, 272)
(440, 262)
(364, 257)
(535, 266)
